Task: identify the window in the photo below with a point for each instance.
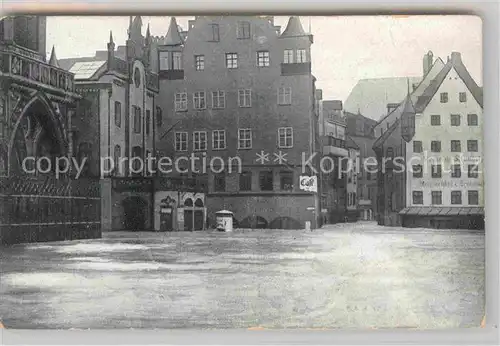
(436, 146)
(231, 60)
(215, 37)
(389, 152)
(148, 122)
(263, 59)
(181, 101)
(136, 164)
(219, 182)
(118, 114)
(435, 120)
(437, 171)
(137, 119)
(199, 62)
(243, 30)
(245, 98)
(181, 141)
(472, 171)
(246, 181)
(285, 137)
(455, 119)
(288, 56)
(285, 96)
(472, 119)
(200, 140)
(456, 146)
(301, 55)
(418, 197)
(199, 100)
(266, 180)
(456, 197)
(177, 60)
(437, 197)
(456, 171)
(417, 146)
(417, 171)
(472, 145)
(159, 117)
(244, 138)
(462, 97)
(116, 157)
(444, 97)
(218, 99)
(219, 139)
(286, 180)
(164, 61)
(473, 197)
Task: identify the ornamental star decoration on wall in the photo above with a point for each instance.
(263, 157)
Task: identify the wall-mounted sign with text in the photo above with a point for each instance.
(309, 184)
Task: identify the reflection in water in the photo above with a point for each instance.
(347, 276)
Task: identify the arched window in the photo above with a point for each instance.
(159, 117)
(198, 203)
(188, 202)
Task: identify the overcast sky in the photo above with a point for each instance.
(345, 49)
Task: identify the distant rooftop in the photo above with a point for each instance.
(86, 69)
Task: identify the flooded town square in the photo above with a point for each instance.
(355, 275)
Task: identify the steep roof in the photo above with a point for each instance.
(53, 58)
(294, 28)
(371, 96)
(350, 143)
(456, 63)
(365, 145)
(386, 134)
(436, 68)
(173, 37)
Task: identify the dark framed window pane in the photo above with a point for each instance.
(418, 197)
(246, 181)
(266, 181)
(456, 197)
(219, 182)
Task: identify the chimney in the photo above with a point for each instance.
(391, 107)
(428, 61)
(456, 57)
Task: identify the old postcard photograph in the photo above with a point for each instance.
(241, 172)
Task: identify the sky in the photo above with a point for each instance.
(345, 50)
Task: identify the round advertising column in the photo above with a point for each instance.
(224, 221)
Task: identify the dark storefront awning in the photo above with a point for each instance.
(442, 211)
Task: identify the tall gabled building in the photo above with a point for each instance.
(438, 140)
(238, 87)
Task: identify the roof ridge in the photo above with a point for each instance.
(381, 139)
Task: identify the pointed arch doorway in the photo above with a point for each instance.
(37, 133)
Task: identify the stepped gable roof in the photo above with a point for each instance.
(173, 37)
(456, 63)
